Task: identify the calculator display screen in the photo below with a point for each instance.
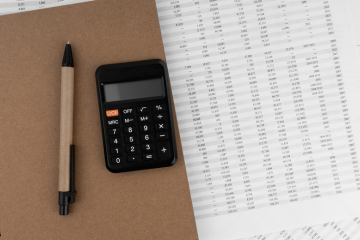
(134, 90)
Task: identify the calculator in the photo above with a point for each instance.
(136, 115)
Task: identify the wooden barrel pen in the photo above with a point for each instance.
(67, 149)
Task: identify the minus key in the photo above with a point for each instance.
(162, 136)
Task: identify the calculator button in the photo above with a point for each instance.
(162, 136)
(144, 128)
(163, 149)
(132, 149)
(159, 107)
(127, 111)
(115, 141)
(130, 130)
(146, 138)
(115, 151)
(114, 131)
(130, 139)
(144, 109)
(148, 157)
(160, 126)
(113, 122)
(160, 117)
(147, 147)
(129, 120)
(133, 158)
(144, 119)
(112, 113)
(117, 160)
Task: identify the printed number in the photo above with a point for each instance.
(130, 129)
(115, 141)
(132, 148)
(147, 147)
(145, 128)
(147, 137)
(114, 131)
(131, 139)
(117, 160)
(117, 150)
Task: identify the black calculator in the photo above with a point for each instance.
(136, 115)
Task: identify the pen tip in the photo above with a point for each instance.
(68, 42)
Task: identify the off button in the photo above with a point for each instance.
(127, 111)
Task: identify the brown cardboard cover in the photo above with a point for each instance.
(149, 204)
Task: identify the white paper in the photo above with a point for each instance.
(266, 95)
(346, 229)
(17, 6)
(355, 6)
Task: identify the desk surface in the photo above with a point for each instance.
(150, 204)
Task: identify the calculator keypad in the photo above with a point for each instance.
(114, 131)
(130, 139)
(128, 120)
(115, 141)
(139, 134)
(117, 160)
(143, 109)
(130, 130)
(146, 138)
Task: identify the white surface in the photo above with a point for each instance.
(18, 6)
(346, 229)
(198, 44)
(355, 5)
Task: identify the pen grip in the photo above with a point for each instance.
(66, 126)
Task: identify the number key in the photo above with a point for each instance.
(115, 151)
(129, 130)
(130, 139)
(132, 149)
(144, 128)
(117, 160)
(115, 141)
(146, 138)
(114, 131)
(147, 147)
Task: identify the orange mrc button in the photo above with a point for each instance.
(112, 113)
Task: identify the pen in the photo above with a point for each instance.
(67, 149)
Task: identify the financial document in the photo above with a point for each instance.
(355, 6)
(266, 97)
(346, 229)
(17, 6)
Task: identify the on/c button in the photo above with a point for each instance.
(112, 113)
